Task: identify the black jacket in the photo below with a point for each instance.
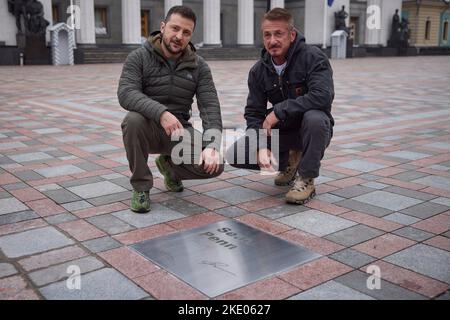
(306, 84)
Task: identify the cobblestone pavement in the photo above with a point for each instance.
(383, 194)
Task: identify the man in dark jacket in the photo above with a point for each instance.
(157, 86)
(297, 80)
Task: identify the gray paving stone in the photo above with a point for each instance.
(239, 181)
(241, 172)
(89, 166)
(427, 260)
(231, 212)
(442, 200)
(331, 290)
(425, 210)
(328, 197)
(96, 189)
(444, 296)
(33, 156)
(375, 185)
(17, 217)
(110, 224)
(332, 174)
(104, 284)
(99, 147)
(123, 182)
(401, 218)
(77, 205)
(113, 176)
(33, 241)
(446, 234)
(317, 222)
(387, 200)
(364, 207)
(369, 177)
(79, 182)
(71, 138)
(187, 208)
(48, 130)
(7, 269)
(62, 196)
(101, 244)
(409, 175)
(354, 235)
(440, 145)
(12, 145)
(59, 272)
(435, 181)
(4, 195)
(351, 192)
(403, 154)
(353, 258)
(14, 186)
(236, 195)
(60, 218)
(413, 234)
(357, 280)
(28, 175)
(158, 214)
(282, 211)
(410, 193)
(10, 205)
(361, 165)
(52, 172)
(116, 197)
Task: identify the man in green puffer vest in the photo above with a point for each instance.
(157, 87)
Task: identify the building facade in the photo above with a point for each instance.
(236, 23)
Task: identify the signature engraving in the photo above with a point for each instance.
(218, 265)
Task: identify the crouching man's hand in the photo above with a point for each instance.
(210, 158)
(270, 121)
(266, 160)
(171, 124)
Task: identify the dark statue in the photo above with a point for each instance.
(340, 17)
(32, 13)
(399, 32)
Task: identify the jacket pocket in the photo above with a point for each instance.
(297, 85)
(274, 93)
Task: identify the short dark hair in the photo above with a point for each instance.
(183, 11)
(277, 14)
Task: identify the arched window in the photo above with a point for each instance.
(427, 29)
(445, 31)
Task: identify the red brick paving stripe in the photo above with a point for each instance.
(387, 172)
(347, 182)
(263, 224)
(326, 207)
(410, 280)
(211, 186)
(42, 182)
(15, 288)
(402, 184)
(81, 230)
(147, 233)
(266, 289)
(45, 207)
(435, 172)
(439, 242)
(314, 273)
(107, 163)
(164, 286)
(372, 221)
(197, 220)
(89, 174)
(27, 194)
(256, 177)
(206, 202)
(260, 204)
(28, 167)
(128, 262)
(312, 242)
(384, 245)
(437, 224)
(51, 258)
(95, 211)
(437, 192)
(431, 160)
(264, 188)
(7, 178)
(324, 188)
(348, 172)
(22, 226)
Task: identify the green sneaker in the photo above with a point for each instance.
(163, 167)
(140, 202)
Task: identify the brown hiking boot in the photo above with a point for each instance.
(285, 177)
(302, 191)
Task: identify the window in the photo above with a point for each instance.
(101, 21)
(445, 31)
(427, 29)
(55, 14)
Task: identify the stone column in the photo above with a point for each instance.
(276, 4)
(171, 3)
(245, 23)
(211, 25)
(86, 34)
(131, 21)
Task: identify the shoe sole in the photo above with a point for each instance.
(161, 170)
(312, 195)
(140, 210)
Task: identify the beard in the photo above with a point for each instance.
(167, 43)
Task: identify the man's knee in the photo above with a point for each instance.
(133, 121)
(316, 121)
